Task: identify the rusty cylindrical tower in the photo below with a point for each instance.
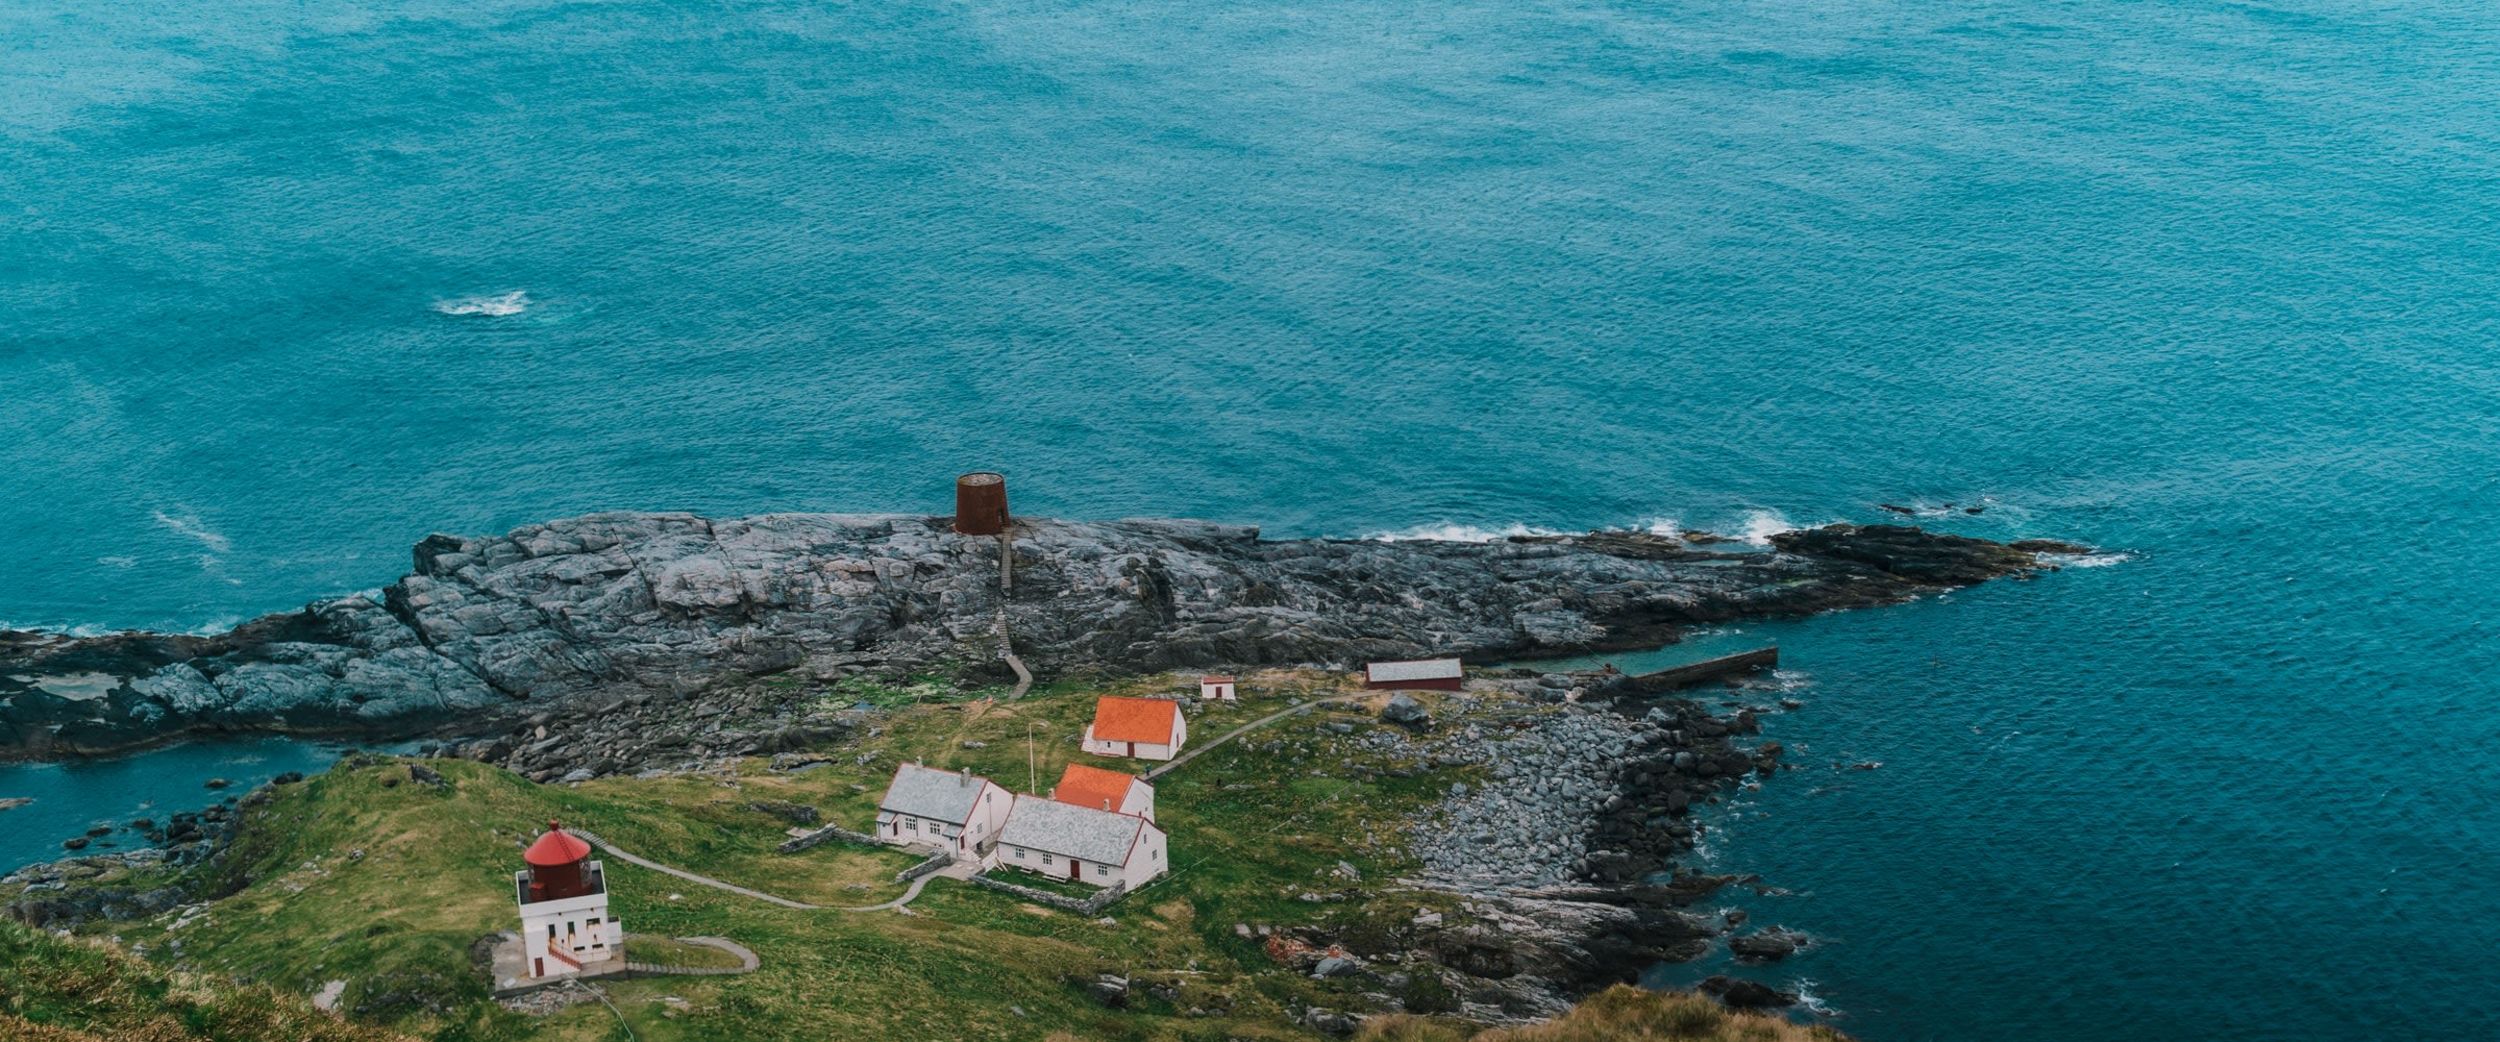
(981, 503)
(559, 866)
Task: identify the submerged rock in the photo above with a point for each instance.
(1738, 993)
(1770, 945)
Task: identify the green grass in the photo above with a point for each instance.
(1619, 1014)
(78, 991)
(362, 876)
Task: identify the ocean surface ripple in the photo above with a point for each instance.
(2211, 284)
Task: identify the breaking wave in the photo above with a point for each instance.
(497, 306)
(2096, 560)
(187, 524)
(1455, 533)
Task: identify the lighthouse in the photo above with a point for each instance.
(566, 930)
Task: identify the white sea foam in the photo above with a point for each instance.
(1761, 525)
(1812, 1002)
(118, 562)
(1664, 527)
(496, 306)
(215, 626)
(2100, 560)
(62, 631)
(188, 524)
(1457, 533)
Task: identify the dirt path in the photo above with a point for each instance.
(1246, 729)
(618, 853)
(909, 893)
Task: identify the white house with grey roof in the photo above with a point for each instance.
(959, 812)
(1082, 844)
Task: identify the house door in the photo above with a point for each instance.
(1132, 750)
(1076, 870)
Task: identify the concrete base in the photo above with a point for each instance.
(510, 979)
(511, 968)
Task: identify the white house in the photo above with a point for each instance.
(1212, 688)
(956, 811)
(1082, 844)
(1435, 674)
(1146, 728)
(566, 930)
(1114, 791)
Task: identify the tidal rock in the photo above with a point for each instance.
(1738, 993)
(1770, 945)
(566, 619)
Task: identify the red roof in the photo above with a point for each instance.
(557, 847)
(1092, 787)
(1136, 720)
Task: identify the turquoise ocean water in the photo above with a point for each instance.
(284, 286)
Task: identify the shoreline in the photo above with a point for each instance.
(486, 632)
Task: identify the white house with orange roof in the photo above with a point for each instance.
(1219, 688)
(1083, 844)
(958, 812)
(1145, 728)
(1119, 792)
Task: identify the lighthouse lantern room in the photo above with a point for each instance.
(566, 930)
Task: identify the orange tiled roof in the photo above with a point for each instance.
(1092, 787)
(1135, 720)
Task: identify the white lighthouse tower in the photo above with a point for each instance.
(566, 930)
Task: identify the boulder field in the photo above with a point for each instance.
(485, 630)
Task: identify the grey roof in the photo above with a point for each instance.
(931, 793)
(1083, 833)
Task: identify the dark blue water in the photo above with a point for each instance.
(70, 798)
(2211, 283)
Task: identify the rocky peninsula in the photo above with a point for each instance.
(485, 632)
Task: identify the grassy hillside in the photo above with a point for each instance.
(78, 991)
(365, 877)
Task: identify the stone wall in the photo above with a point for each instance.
(822, 835)
(1082, 906)
(932, 863)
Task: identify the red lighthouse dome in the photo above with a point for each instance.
(559, 865)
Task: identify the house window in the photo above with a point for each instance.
(1101, 871)
(1045, 857)
(1019, 852)
(912, 824)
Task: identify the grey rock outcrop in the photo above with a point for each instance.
(675, 604)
